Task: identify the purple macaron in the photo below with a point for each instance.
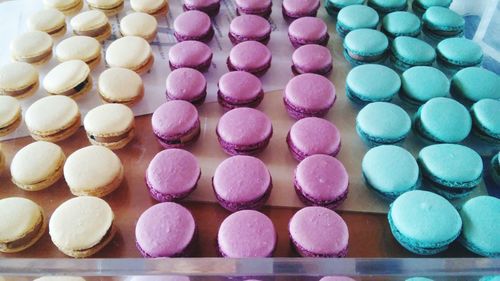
(247, 234)
(294, 9)
(250, 56)
(176, 124)
(308, 95)
(186, 84)
(193, 25)
(249, 28)
(318, 232)
(312, 58)
(209, 7)
(311, 136)
(191, 54)
(261, 8)
(172, 175)
(244, 131)
(308, 30)
(165, 230)
(242, 182)
(239, 89)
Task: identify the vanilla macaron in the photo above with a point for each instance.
(33, 47)
(139, 24)
(92, 23)
(70, 78)
(68, 7)
(130, 52)
(109, 7)
(10, 115)
(153, 7)
(18, 79)
(84, 48)
(120, 85)
(51, 21)
(110, 125)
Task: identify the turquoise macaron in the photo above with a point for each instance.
(451, 170)
(382, 123)
(334, 6)
(490, 278)
(390, 171)
(408, 51)
(355, 17)
(388, 6)
(365, 46)
(495, 168)
(418, 279)
(415, 83)
(454, 54)
(442, 120)
(475, 83)
(401, 24)
(372, 82)
(424, 222)
(486, 119)
(481, 228)
(420, 6)
(441, 22)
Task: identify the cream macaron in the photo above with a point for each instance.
(120, 85)
(130, 52)
(139, 24)
(109, 7)
(153, 7)
(92, 23)
(18, 79)
(33, 47)
(37, 166)
(82, 226)
(10, 115)
(70, 78)
(23, 224)
(84, 48)
(93, 170)
(53, 118)
(68, 7)
(110, 125)
(51, 21)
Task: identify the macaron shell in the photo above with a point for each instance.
(308, 29)
(418, 91)
(186, 84)
(314, 135)
(189, 54)
(244, 126)
(475, 83)
(17, 75)
(89, 20)
(486, 115)
(83, 48)
(413, 51)
(192, 24)
(383, 121)
(442, 18)
(240, 85)
(254, 5)
(312, 58)
(10, 111)
(51, 114)
(31, 44)
(19, 216)
(368, 87)
(366, 42)
(174, 118)
(120, 85)
(460, 51)
(47, 20)
(109, 120)
(357, 16)
(250, 55)
(401, 24)
(130, 52)
(139, 24)
(250, 26)
(66, 76)
(300, 8)
(310, 91)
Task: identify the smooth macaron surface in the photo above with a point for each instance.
(415, 81)
(68, 7)
(354, 17)
(18, 79)
(409, 51)
(251, 56)
(459, 52)
(472, 84)
(300, 8)
(120, 85)
(387, 6)
(239, 87)
(112, 121)
(312, 58)
(425, 4)
(130, 52)
(250, 27)
(66, 77)
(174, 118)
(193, 54)
(153, 7)
(364, 86)
(139, 24)
(51, 21)
(486, 117)
(82, 48)
(366, 42)
(10, 114)
(186, 84)
(437, 20)
(310, 93)
(334, 6)
(261, 8)
(32, 47)
(401, 24)
(92, 23)
(308, 30)
(244, 126)
(193, 25)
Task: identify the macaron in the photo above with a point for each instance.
(239, 89)
(294, 9)
(139, 24)
(10, 115)
(23, 224)
(480, 226)
(155, 8)
(250, 56)
(34, 47)
(37, 166)
(244, 131)
(209, 7)
(472, 84)
(388, 6)
(382, 123)
(495, 168)
(163, 218)
(354, 17)
(333, 7)
(84, 48)
(337, 278)
(401, 24)
(454, 54)
(486, 119)
(423, 222)
(93, 171)
(308, 30)
(120, 85)
(193, 25)
(442, 120)
(313, 135)
(318, 232)
(441, 22)
(309, 95)
(414, 85)
(192, 54)
(92, 23)
(176, 124)
(249, 28)
(261, 8)
(312, 58)
(390, 171)
(70, 78)
(408, 51)
(247, 234)
(420, 6)
(18, 79)
(110, 125)
(53, 118)
(363, 86)
(186, 84)
(81, 226)
(51, 21)
(452, 170)
(172, 175)
(130, 52)
(68, 7)
(109, 7)
(365, 46)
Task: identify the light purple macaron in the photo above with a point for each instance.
(186, 84)
(209, 7)
(309, 95)
(312, 58)
(261, 8)
(247, 234)
(311, 136)
(239, 89)
(242, 182)
(294, 9)
(308, 30)
(318, 232)
(176, 124)
(193, 25)
(172, 175)
(165, 230)
(250, 56)
(191, 54)
(249, 28)
(244, 131)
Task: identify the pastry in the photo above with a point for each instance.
(401, 24)
(186, 84)
(239, 89)
(18, 79)
(10, 115)
(51, 21)
(249, 28)
(130, 52)
(192, 54)
(472, 84)
(408, 51)
(250, 56)
(312, 58)
(209, 7)
(193, 25)
(155, 8)
(486, 119)
(70, 78)
(120, 85)
(362, 86)
(68, 7)
(261, 8)
(365, 46)
(355, 17)
(92, 23)
(34, 47)
(333, 7)
(453, 54)
(139, 24)
(420, 6)
(109, 7)
(388, 6)
(84, 48)
(415, 83)
(308, 30)
(294, 9)
(441, 22)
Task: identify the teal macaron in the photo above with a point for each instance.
(481, 229)
(420, 6)
(440, 23)
(474, 83)
(355, 17)
(390, 171)
(388, 6)
(365, 46)
(408, 51)
(424, 222)
(454, 54)
(401, 24)
(442, 120)
(334, 6)
(371, 83)
(418, 279)
(415, 83)
(486, 119)
(451, 170)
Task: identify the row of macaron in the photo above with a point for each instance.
(382, 7)
(109, 7)
(182, 278)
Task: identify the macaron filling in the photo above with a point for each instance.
(202, 67)
(112, 139)
(81, 87)
(19, 92)
(68, 130)
(237, 38)
(206, 37)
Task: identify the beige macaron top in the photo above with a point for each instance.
(17, 75)
(61, 4)
(120, 84)
(129, 52)
(31, 44)
(138, 24)
(83, 48)
(66, 76)
(104, 4)
(10, 109)
(147, 6)
(109, 119)
(48, 20)
(60, 278)
(50, 114)
(89, 20)
(80, 223)
(19, 216)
